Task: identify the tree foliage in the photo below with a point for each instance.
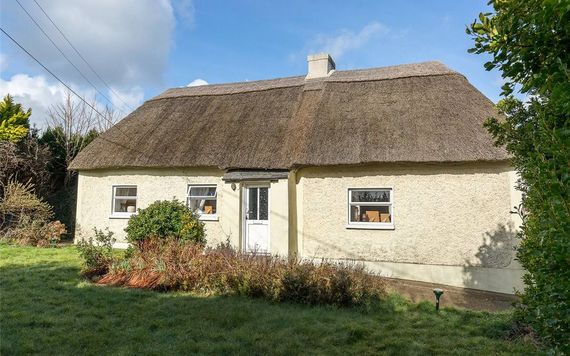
(14, 121)
(64, 146)
(529, 43)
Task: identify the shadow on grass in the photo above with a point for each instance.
(47, 308)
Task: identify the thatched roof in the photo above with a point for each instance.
(409, 113)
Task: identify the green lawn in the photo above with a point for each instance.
(46, 308)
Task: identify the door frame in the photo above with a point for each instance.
(243, 220)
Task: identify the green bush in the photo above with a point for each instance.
(166, 219)
(527, 41)
(97, 253)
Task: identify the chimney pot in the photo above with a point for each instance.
(320, 65)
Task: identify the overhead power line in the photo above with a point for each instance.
(86, 103)
(67, 58)
(83, 58)
(55, 76)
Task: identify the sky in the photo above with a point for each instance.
(139, 48)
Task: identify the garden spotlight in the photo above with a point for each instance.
(438, 293)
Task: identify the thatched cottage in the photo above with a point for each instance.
(390, 166)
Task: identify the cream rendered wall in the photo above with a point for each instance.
(452, 222)
(279, 218)
(94, 201)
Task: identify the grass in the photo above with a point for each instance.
(47, 308)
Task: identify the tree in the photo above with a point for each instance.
(72, 125)
(14, 121)
(27, 162)
(529, 42)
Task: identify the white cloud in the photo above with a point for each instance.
(35, 93)
(126, 99)
(197, 82)
(38, 93)
(127, 41)
(347, 40)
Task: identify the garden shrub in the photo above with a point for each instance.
(183, 265)
(166, 219)
(20, 202)
(26, 218)
(96, 253)
(35, 232)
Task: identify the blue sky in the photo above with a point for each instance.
(142, 47)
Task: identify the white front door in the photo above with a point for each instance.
(256, 212)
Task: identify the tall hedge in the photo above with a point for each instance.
(529, 43)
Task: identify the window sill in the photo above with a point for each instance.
(208, 218)
(372, 226)
(121, 216)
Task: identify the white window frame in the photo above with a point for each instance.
(204, 217)
(370, 225)
(114, 197)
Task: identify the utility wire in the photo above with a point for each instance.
(82, 99)
(67, 58)
(83, 58)
(101, 137)
(87, 103)
(56, 77)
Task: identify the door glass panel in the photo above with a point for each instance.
(263, 203)
(252, 203)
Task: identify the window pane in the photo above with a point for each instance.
(203, 191)
(263, 203)
(125, 205)
(126, 191)
(202, 206)
(364, 213)
(252, 203)
(370, 196)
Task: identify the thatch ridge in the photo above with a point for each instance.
(421, 112)
(423, 69)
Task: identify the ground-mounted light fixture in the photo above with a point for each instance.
(438, 293)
